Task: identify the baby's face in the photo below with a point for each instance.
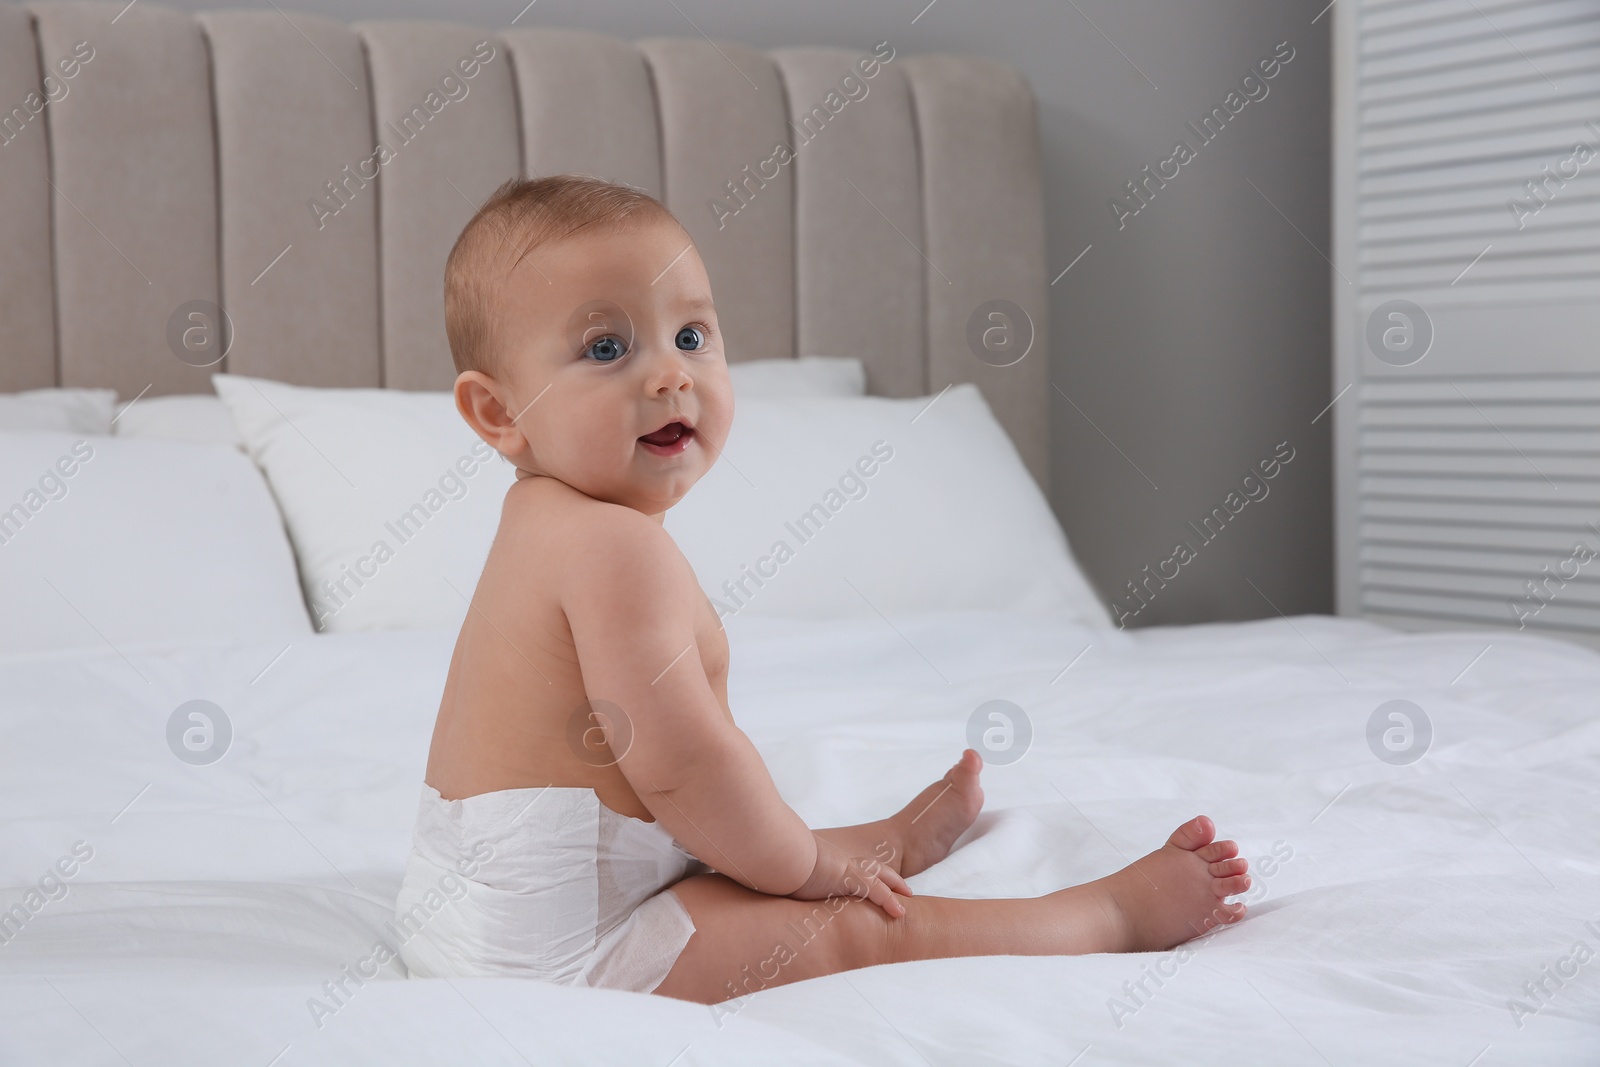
(607, 339)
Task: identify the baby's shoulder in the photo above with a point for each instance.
(581, 536)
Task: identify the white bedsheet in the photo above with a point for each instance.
(1418, 901)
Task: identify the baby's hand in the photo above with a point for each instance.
(839, 875)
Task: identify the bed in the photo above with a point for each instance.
(1418, 808)
(1407, 909)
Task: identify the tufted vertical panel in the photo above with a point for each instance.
(452, 86)
(27, 291)
(262, 160)
(576, 123)
(135, 210)
(722, 114)
(859, 285)
(983, 213)
(299, 218)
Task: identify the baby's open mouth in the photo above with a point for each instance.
(671, 439)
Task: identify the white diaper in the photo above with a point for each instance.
(543, 883)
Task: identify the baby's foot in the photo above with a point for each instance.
(1176, 892)
(930, 824)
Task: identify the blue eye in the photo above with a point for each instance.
(605, 350)
(690, 338)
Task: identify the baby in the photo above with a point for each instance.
(591, 808)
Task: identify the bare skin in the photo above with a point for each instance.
(745, 942)
(586, 604)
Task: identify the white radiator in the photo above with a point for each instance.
(1467, 313)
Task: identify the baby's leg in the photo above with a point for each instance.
(920, 834)
(745, 941)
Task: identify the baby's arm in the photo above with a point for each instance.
(631, 600)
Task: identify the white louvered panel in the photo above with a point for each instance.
(1400, 221)
(1458, 106)
(1397, 180)
(1561, 277)
(1464, 478)
(1501, 81)
(1530, 491)
(1561, 616)
(1476, 463)
(1470, 561)
(1468, 444)
(1503, 389)
(1560, 112)
(1471, 494)
(1522, 420)
(1493, 588)
(1485, 463)
(1393, 70)
(1544, 541)
(1457, 511)
(1393, 248)
(1506, 89)
(1398, 29)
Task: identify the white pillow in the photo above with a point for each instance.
(948, 518)
(197, 417)
(133, 542)
(80, 411)
(389, 496)
(779, 379)
(935, 514)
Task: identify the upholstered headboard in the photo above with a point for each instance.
(310, 177)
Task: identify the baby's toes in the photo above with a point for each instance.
(965, 772)
(1226, 914)
(1194, 834)
(1218, 850)
(1227, 887)
(1225, 868)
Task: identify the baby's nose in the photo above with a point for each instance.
(670, 376)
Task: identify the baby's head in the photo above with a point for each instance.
(581, 323)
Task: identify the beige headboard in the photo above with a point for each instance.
(170, 159)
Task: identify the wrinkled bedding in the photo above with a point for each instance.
(1431, 906)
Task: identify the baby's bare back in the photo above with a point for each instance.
(516, 682)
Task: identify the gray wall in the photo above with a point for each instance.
(1192, 340)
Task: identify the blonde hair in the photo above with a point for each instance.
(522, 215)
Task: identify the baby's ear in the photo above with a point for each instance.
(481, 401)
